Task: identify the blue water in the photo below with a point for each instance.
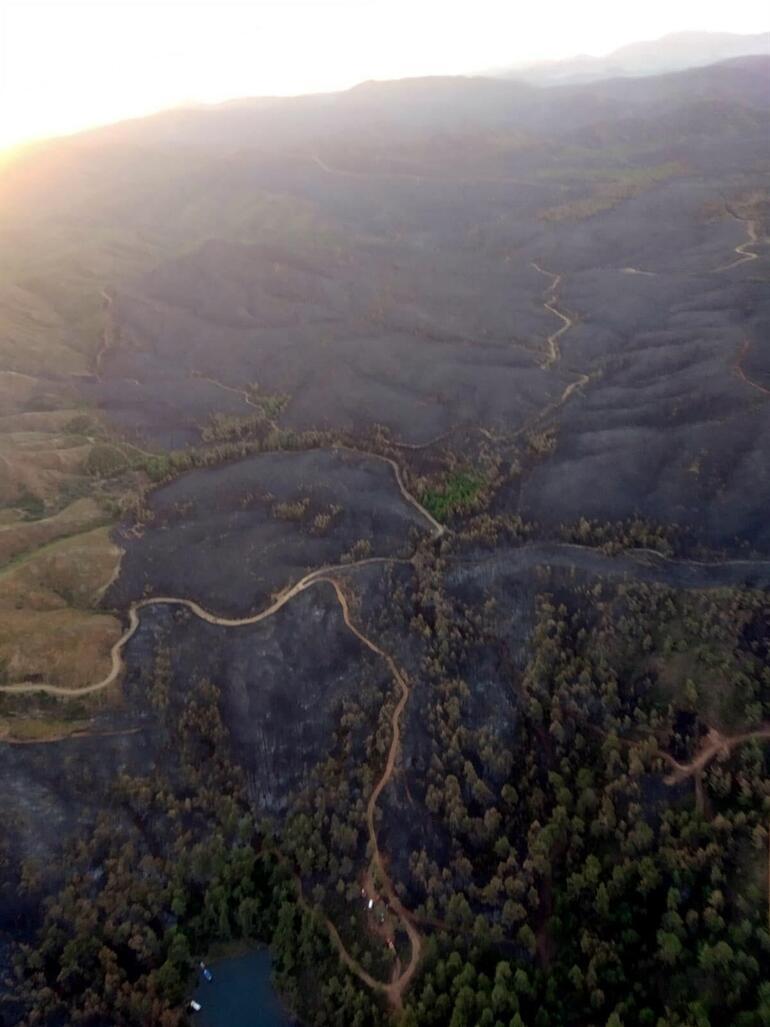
(241, 995)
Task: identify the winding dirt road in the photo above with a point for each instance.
(393, 990)
(742, 250)
(116, 653)
(738, 368)
(714, 744)
(243, 395)
(400, 983)
(744, 253)
(438, 529)
(554, 352)
(552, 342)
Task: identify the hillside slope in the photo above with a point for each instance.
(384, 556)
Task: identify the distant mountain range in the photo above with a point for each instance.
(675, 52)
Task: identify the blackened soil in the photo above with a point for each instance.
(225, 538)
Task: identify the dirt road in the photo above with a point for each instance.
(397, 986)
(553, 353)
(714, 744)
(552, 342)
(738, 368)
(743, 251)
(116, 653)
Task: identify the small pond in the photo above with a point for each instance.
(241, 994)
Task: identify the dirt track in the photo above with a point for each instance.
(715, 744)
(744, 253)
(554, 353)
(242, 394)
(116, 653)
(438, 529)
(738, 368)
(107, 332)
(396, 988)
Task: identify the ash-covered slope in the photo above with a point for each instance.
(432, 418)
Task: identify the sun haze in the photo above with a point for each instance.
(70, 65)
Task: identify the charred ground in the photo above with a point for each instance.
(483, 369)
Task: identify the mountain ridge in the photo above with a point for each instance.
(677, 51)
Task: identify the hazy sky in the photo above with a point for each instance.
(69, 64)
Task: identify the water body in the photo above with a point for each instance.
(241, 995)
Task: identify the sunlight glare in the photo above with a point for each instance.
(71, 64)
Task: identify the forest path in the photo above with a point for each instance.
(396, 987)
(715, 744)
(392, 994)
